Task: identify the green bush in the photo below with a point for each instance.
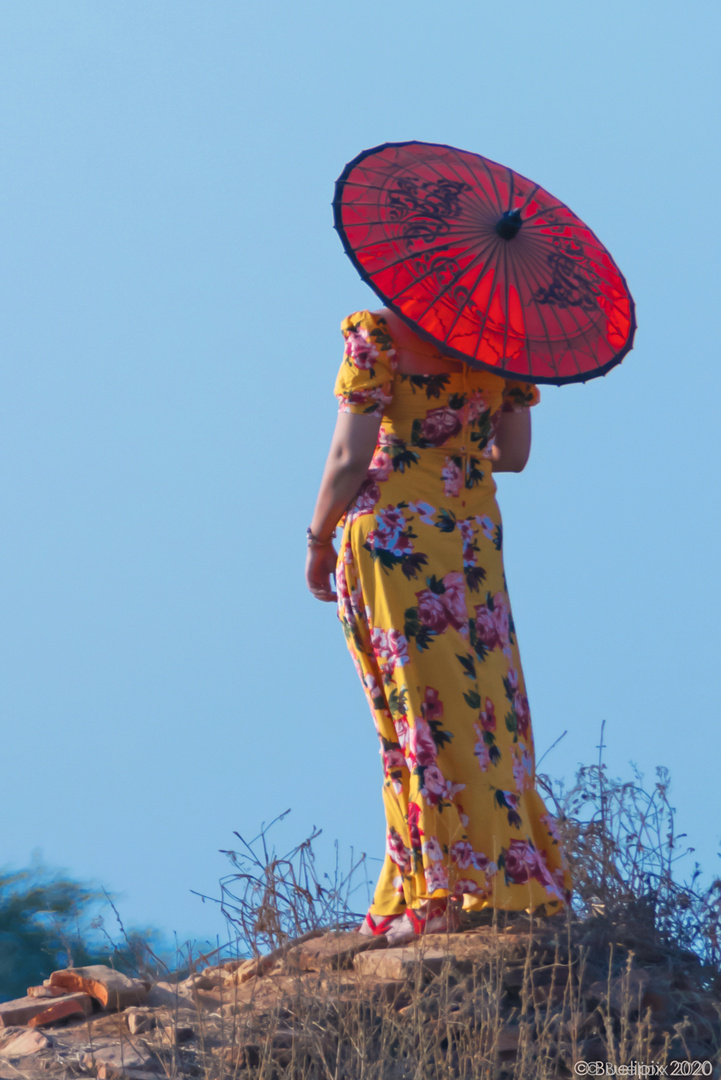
(49, 921)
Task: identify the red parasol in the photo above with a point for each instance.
(484, 262)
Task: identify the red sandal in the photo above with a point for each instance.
(382, 926)
(437, 918)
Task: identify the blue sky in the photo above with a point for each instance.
(170, 301)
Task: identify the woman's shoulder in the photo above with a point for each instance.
(364, 319)
(370, 329)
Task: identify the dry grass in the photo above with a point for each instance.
(529, 1014)
(537, 997)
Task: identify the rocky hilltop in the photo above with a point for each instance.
(519, 998)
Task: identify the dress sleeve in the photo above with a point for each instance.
(520, 395)
(365, 379)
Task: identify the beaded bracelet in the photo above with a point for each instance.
(315, 541)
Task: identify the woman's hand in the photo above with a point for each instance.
(319, 565)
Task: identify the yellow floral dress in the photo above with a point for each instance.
(423, 602)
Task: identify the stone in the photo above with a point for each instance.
(46, 991)
(332, 950)
(627, 986)
(246, 1056)
(203, 982)
(22, 1010)
(124, 1072)
(512, 978)
(508, 1037)
(139, 1020)
(659, 1002)
(255, 966)
(111, 988)
(117, 1054)
(399, 963)
(170, 996)
(177, 1034)
(546, 995)
(61, 1009)
(27, 1042)
(594, 1049)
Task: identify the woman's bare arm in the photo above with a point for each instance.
(351, 450)
(512, 446)
(350, 454)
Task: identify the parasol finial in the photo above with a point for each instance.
(509, 224)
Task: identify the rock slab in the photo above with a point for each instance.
(27, 1042)
(111, 988)
(62, 1008)
(331, 951)
(399, 963)
(22, 1011)
(112, 1055)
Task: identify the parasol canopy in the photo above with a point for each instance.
(484, 263)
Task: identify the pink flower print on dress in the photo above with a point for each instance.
(436, 877)
(482, 862)
(373, 692)
(393, 759)
(454, 600)
(452, 478)
(381, 538)
(436, 788)
(481, 750)
(522, 767)
(341, 584)
(523, 713)
(523, 860)
(435, 785)
(390, 519)
(438, 426)
(414, 830)
(403, 545)
(465, 885)
(403, 733)
(488, 526)
(550, 822)
(360, 349)
(486, 628)
(466, 530)
(424, 510)
(432, 849)
(390, 648)
(510, 800)
(371, 684)
(475, 405)
(487, 716)
(432, 706)
(381, 466)
(432, 612)
(462, 854)
(373, 400)
(422, 749)
(365, 501)
(397, 850)
(502, 617)
(520, 862)
(487, 451)
(397, 648)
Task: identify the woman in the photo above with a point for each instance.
(422, 599)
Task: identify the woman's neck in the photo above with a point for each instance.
(416, 356)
